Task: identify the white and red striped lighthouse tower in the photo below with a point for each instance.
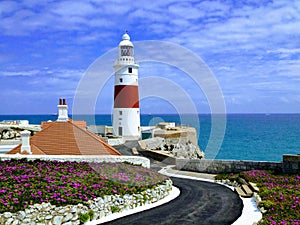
(126, 115)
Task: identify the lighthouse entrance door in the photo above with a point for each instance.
(120, 131)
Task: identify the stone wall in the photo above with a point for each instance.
(45, 213)
(225, 166)
(291, 164)
(131, 159)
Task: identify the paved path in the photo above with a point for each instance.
(199, 203)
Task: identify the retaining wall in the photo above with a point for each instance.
(47, 214)
(225, 166)
(291, 164)
(80, 158)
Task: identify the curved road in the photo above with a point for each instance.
(199, 203)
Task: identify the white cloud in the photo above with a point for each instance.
(185, 10)
(252, 47)
(46, 83)
(73, 8)
(45, 73)
(285, 51)
(7, 7)
(19, 73)
(213, 8)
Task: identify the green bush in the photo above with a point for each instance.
(91, 213)
(115, 209)
(268, 204)
(84, 217)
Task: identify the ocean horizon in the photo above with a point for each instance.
(257, 137)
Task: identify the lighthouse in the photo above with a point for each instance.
(126, 114)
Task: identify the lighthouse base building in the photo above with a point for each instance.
(126, 114)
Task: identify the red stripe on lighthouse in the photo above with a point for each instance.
(126, 96)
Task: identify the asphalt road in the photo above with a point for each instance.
(200, 203)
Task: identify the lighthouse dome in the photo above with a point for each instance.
(126, 37)
(126, 40)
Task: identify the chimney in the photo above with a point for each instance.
(25, 147)
(62, 110)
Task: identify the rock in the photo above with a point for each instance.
(68, 223)
(262, 209)
(48, 217)
(21, 215)
(68, 217)
(27, 211)
(27, 220)
(16, 222)
(38, 207)
(73, 210)
(75, 217)
(9, 221)
(5, 135)
(116, 203)
(7, 215)
(57, 220)
(62, 211)
(101, 214)
(93, 207)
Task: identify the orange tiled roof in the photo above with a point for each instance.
(67, 138)
(79, 123)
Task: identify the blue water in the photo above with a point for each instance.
(247, 136)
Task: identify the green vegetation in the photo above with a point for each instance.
(84, 217)
(115, 209)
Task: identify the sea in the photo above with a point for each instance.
(257, 137)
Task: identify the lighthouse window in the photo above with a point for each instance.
(121, 80)
(120, 113)
(129, 70)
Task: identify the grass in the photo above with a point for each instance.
(280, 195)
(24, 183)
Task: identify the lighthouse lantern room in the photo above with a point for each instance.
(126, 114)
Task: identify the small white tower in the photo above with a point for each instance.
(126, 115)
(62, 111)
(25, 147)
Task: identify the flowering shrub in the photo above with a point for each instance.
(24, 183)
(280, 195)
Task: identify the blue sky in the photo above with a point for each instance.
(251, 47)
